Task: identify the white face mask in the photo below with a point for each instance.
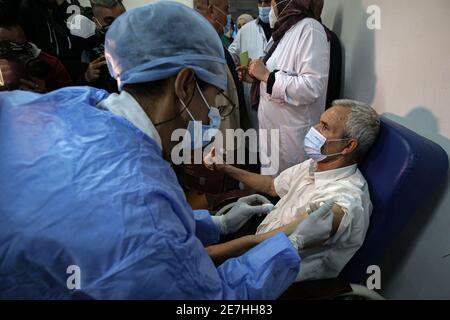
(273, 17)
(81, 26)
(314, 142)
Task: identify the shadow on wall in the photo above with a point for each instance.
(425, 124)
(348, 19)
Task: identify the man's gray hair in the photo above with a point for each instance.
(363, 123)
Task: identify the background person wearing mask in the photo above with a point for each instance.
(101, 191)
(233, 102)
(253, 38)
(93, 60)
(292, 79)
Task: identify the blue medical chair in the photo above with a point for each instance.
(403, 169)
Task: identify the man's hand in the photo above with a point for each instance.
(213, 161)
(258, 70)
(34, 85)
(243, 74)
(6, 73)
(93, 72)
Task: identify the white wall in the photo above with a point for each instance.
(129, 4)
(403, 70)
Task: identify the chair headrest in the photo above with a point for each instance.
(402, 170)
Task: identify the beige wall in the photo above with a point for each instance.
(403, 70)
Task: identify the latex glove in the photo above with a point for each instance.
(314, 229)
(238, 216)
(254, 200)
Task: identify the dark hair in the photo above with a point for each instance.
(105, 3)
(9, 13)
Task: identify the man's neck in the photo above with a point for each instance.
(157, 114)
(334, 164)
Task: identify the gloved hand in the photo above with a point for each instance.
(254, 200)
(315, 229)
(242, 211)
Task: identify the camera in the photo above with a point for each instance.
(107, 82)
(21, 55)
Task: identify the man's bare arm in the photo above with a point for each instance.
(232, 249)
(259, 183)
(256, 182)
(222, 252)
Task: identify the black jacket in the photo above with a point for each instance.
(48, 30)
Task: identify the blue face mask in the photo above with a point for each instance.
(314, 142)
(199, 135)
(227, 28)
(264, 14)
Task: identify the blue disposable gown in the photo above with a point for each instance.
(82, 187)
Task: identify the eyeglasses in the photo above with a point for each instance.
(227, 109)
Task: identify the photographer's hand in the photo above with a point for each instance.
(34, 85)
(92, 73)
(6, 71)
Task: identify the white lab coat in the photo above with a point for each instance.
(251, 38)
(298, 97)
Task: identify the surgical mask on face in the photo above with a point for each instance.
(273, 18)
(314, 142)
(199, 135)
(81, 26)
(227, 27)
(264, 14)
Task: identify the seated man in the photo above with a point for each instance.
(344, 135)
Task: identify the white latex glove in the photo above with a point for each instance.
(315, 229)
(238, 216)
(254, 200)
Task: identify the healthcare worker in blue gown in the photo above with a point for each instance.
(89, 204)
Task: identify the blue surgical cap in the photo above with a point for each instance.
(156, 41)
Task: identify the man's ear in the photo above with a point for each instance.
(185, 84)
(351, 146)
